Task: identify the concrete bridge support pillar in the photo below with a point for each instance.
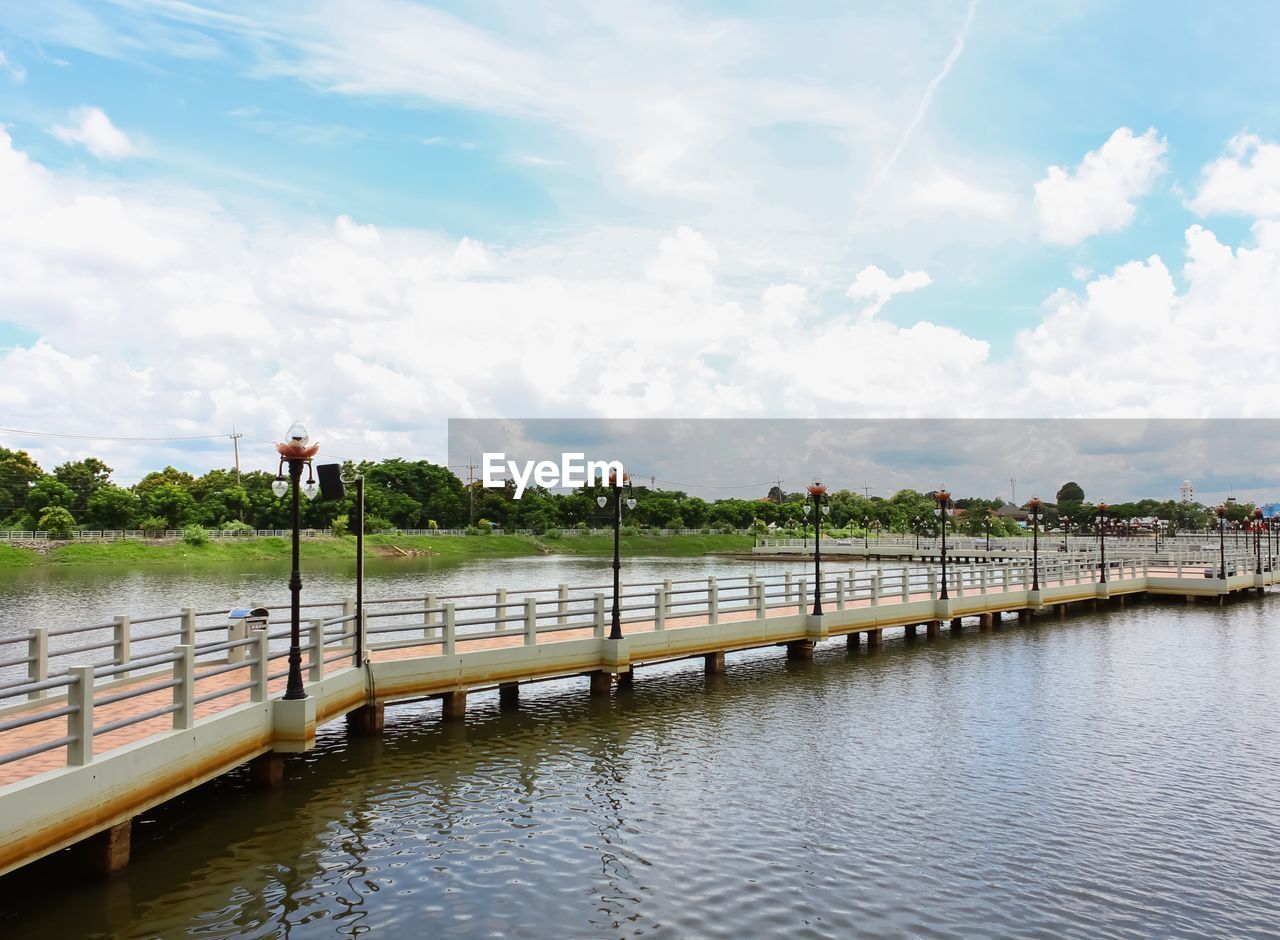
(455, 706)
(626, 680)
(713, 663)
(601, 682)
(853, 640)
(932, 629)
(367, 720)
(955, 624)
(909, 631)
(266, 771)
(106, 853)
(1024, 615)
(508, 696)
(985, 621)
(1062, 611)
(800, 650)
(875, 639)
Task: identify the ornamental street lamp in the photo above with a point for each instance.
(866, 529)
(1156, 523)
(1102, 541)
(1036, 516)
(297, 451)
(1256, 516)
(1221, 512)
(615, 624)
(817, 490)
(916, 524)
(987, 522)
(944, 500)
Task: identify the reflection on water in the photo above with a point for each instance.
(1111, 775)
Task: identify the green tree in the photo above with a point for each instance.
(57, 521)
(84, 478)
(1070, 492)
(111, 507)
(17, 472)
(170, 502)
(49, 492)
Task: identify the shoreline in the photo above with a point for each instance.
(391, 547)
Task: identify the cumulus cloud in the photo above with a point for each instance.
(875, 285)
(92, 129)
(1244, 181)
(1099, 195)
(377, 336)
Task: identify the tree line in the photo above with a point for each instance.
(416, 494)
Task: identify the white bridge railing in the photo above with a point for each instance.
(73, 673)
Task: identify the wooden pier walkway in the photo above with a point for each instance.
(84, 748)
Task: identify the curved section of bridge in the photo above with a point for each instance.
(135, 712)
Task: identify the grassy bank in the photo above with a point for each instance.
(460, 547)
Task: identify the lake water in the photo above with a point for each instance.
(1111, 775)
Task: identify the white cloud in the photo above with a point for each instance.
(875, 285)
(376, 336)
(950, 193)
(1245, 181)
(91, 128)
(1098, 196)
(16, 72)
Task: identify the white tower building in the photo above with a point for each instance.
(1185, 493)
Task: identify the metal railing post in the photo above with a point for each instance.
(450, 629)
(660, 609)
(530, 621)
(80, 720)
(315, 655)
(713, 601)
(38, 659)
(500, 608)
(235, 631)
(562, 604)
(188, 626)
(259, 671)
(120, 640)
(598, 625)
(184, 690)
(429, 605)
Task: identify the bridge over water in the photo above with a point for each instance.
(112, 719)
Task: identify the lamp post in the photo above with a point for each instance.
(817, 489)
(1035, 514)
(1157, 527)
(1256, 517)
(615, 623)
(944, 500)
(987, 522)
(1102, 542)
(916, 523)
(297, 451)
(866, 529)
(1221, 512)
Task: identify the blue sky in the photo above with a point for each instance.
(379, 215)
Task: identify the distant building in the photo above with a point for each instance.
(1185, 493)
(1270, 510)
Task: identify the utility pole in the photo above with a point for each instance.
(1013, 490)
(472, 467)
(235, 444)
